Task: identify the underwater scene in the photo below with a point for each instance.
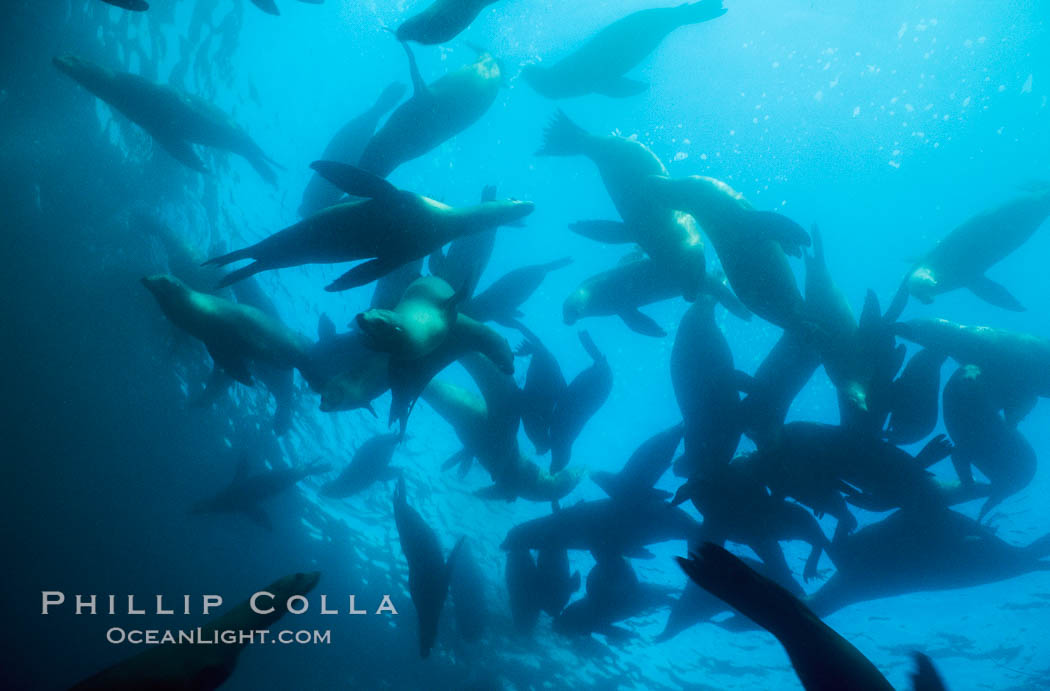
(526, 344)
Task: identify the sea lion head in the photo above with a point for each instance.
(575, 306)
(502, 212)
(922, 283)
(165, 287)
(384, 328)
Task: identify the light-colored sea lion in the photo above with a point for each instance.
(175, 120)
(599, 65)
(823, 660)
(234, 334)
(500, 302)
(582, 398)
(434, 114)
(962, 257)
(669, 237)
(247, 491)
(391, 226)
(441, 21)
(346, 146)
(428, 572)
(203, 667)
(752, 245)
(419, 323)
(370, 464)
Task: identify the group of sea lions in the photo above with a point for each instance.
(421, 321)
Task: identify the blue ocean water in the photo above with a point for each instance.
(888, 124)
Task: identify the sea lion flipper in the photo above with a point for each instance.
(641, 323)
(419, 87)
(994, 294)
(777, 227)
(355, 181)
(621, 87)
(182, 151)
(360, 275)
(609, 232)
(925, 677)
(267, 6)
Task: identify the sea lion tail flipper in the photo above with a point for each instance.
(419, 86)
(702, 11)
(588, 344)
(937, 449)
(925, 677)
(779, 228)
(606, 481)
(720, 290)
(325, 327)
(355, 181)
(238, 275)
(899, 302)
(621, 87)
(563, 137)
(609, 232)
(182, 151)
(360, 275)
(994, 294)
(641, 323)
(455, 459)
(267, 6)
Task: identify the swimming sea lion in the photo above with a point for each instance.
(614, 594)
(500, 302)
(392, 226)
(752, 245)
(467, 256)
(441, 21)
(346, 146)
(823, 660)
(554, 584)
(175, 120)
(344, 370)
(371, 463)
(644, 468)
(434, 114)
(581, 399)
(234, 334)
(962, 257)
(391, 287)
(202, 667)
(544, 385)
(419, 323)
(246, 491)
(915, 400)
(521, 579)
(782, 374)
(669, 237)
(428, 572)
(599, 65)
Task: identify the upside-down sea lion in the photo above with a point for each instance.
(346, 146)
(782, 374)
(203, 667)
(344, 370)
(544, 385)
(419, 323)
(435, 113)
(962, 257)
(371, 463)
(914, 404)
(441, 21)
(175, 120)
(234, 334)
(599, 65)
(581, 399)
(391, 226)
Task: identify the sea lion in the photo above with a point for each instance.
(554, 582)
(441, 21)
(270, 6)
(983, 439)
(234, 334)
(202, 667)
(467, 589)
(521, 579)
(175, 120)
(500, 302)
(962, 258)
(370, 464)
(544, 385)
(706, 387)
(780, 377)
(133, 5)
(1019, 362)
(433, 114)
(922, 551)
(344, 370)
(390, 288)
(915, 398)
(752, 245)
(391, 226)
(467, 256)
(614, 594)
(428, 572)
(599, 65)
(582, 398)
(823, 660)
(644, 468)
(419, 323)
(604, 527)
(246, 491)
(346, 146)
(669, 237)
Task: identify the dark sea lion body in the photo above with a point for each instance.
(370, 464)
(915, 398)
(441, 21)
(133, 5)
(467, 590)
(544, 385)
(467, 256)
(346, 146)
(781, 376)
(434, 114)
(599, 65)
(582, 398)
(521, 579)
(500, 302)
(246, 492)
(962, 257)
(175, 120)
(555, 584)
(614, 594)
(644, 468)
(751, 245)
(199, 667)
